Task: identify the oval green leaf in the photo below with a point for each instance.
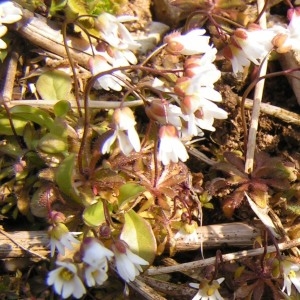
(33, 114)
(54, 85)
(93, 215)
(61, 108)
(138, 234)
(128, 192)
(64, 179)
(5, 128)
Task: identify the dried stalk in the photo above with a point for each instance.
(92, 104)
(213, 236)
(170, 289)
(258, 93)
(226, 257)
(147, 292)
(28, 243)
(41, 32)
(24, 243)
(10, 76)
(276, 112)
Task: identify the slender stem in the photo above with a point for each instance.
(76, 87)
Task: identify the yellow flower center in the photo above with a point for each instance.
(66, 274)
(210, 291)
(292, 274)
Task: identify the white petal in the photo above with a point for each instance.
(67, 289)
(124, 143)
(134, 139)
(125, 267)
(135, 258)
(108, 143)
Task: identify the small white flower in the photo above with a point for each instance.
(249, 45)
(114, 32)
(291, 276)
(289, 38)
(170, 147)
(193, 42)
(9, 13)
(208, 290)
(65, 280)
(99, 64)
(94, 253)
(197, 65)
(96, 275)
(128, 264)
(163, 112)
(125, 132)
(95, 257)
(61, 238)
(3, 30)
(188, 233)
(237, 57)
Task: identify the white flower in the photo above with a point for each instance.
(291, 275)
(99, 64)
(125, 132)
(208, 290)
(197, 65)
(128, 264)
(163, 112)
(3, 30)
(237, 57)
(193, 42)
(250, 45)
(188, 233)
(9, 13)
(94, 253)
(96, 275)
(66, 281)
(201, 84)
(170, 147)
(289, 38)
(61, 238)
(114, 32)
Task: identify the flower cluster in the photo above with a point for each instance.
(254, 43)
(116, 52)
(69, 278)
(9, 14)
(193, 92)
(195, 95)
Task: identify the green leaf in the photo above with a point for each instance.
(93, 215)
(5, 128)
(51, 143)
(138, 234)
(64, 179)
(30, 136)
(129, 191)
(54, 85)
(57, 5)
(33, 114)
(61, 108)
(3, 54)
